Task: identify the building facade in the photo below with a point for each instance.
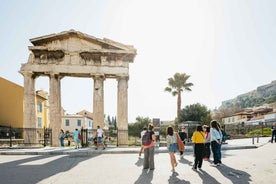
(11, 105)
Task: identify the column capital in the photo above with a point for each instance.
(126, 77)
(98, 76)
(27, 74)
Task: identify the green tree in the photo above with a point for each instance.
(176, 85)
(195, 112)
(134, 129)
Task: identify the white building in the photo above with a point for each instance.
(83, 119)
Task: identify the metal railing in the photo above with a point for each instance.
(10, 136)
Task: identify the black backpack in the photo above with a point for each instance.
(146, 139)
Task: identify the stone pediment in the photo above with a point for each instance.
(74, 43)
(86, 41)
(78, 54)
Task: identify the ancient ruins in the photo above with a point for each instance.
(72, 53)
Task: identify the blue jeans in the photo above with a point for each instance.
(61, 142)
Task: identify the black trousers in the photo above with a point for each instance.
(215, 150)
(273, 135)
(199, 152)
(207, 150)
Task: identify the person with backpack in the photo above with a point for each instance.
(148, 145)
(142, 134)
(183, 136)
(172, 146)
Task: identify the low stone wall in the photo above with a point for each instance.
(6, 142)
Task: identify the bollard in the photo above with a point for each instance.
(257, 138)
(253, 139)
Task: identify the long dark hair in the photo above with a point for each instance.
(199, 128)
(170, 131)
(214, 124)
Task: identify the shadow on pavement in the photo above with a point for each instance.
(145, 177)
(207, 178)
(174, 179)
(185, 161)
(139, 162)
(35, 169)
(234, 175)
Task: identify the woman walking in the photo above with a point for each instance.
(198, 139)
(172, 146)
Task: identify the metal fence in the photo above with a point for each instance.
(10, 136)
(38, 137)
(241, 130)
(110, 137)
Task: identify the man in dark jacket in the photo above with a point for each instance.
(183, 137)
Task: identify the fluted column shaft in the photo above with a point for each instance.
(55, 108)
(122, 111)
(98, 101)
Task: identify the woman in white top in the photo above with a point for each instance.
(172, 146)
(215, 141)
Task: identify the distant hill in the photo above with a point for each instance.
(265, 94)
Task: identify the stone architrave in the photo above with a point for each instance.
(75, 54)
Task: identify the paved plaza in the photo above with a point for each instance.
(241, 164)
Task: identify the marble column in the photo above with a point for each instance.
(98, 101)
(30, 116)
(122, 111)
(55, 108)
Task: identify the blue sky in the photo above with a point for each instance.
(228, 48)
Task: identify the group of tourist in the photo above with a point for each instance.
(76, 136)
(99, 140)
(205, 139)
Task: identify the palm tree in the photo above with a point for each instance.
(177, 85)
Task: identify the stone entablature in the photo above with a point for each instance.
(75, 54)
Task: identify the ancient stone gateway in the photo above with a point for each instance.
(72, 53)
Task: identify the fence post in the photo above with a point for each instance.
(44, 141)
(10, 132)
(117, 137)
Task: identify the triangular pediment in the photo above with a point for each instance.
(75, 40)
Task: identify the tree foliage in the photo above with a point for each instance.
(176, 85)
(134, 129)
(195, 112)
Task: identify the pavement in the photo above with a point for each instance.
(243, 163)
(247, 143)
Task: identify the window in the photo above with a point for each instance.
(39, 107)
(89, 123)
(79, 122)
(67, 122)
(39, 122)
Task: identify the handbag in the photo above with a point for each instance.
(180, 144)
